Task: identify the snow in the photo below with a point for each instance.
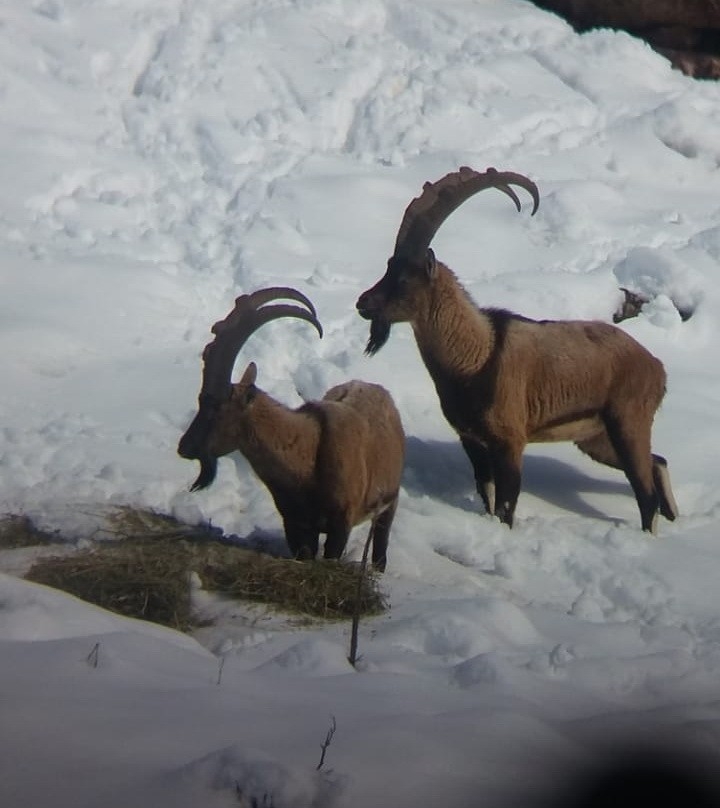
(159, 159)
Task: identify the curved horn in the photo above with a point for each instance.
(232, 333)
(424, 215)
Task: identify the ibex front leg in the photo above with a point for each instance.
(381, 530)
(302, 540)
(506, 459)
(482, 467)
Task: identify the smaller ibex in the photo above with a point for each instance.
(329, 464)
(504, 380)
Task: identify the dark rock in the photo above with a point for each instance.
(687, 32)
(631, 305)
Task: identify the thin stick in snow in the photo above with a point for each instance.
(324, 745)
(94, 656)
(352, 659)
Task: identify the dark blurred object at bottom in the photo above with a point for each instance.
(647, 776)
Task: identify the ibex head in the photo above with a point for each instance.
(221, 403)
(397, 296)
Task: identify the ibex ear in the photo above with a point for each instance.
(244, 391)
(250, 375)
(430, 264)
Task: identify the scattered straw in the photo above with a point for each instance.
(324, 588)
(126, 522)
(133, 579)
(146, 572)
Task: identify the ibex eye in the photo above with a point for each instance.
(405, 279)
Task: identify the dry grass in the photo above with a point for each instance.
(135, 579)
(133, 524)
(145, 573)
(323, 589)
(19, 531)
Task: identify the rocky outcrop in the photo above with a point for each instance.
(687, 32)
(633, 302)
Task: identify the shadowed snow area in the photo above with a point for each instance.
(160, 159)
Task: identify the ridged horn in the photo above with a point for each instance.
(248, 315)
(424, 215)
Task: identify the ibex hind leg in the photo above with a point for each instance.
(661, 475)
(601, 449)
(337, 535)
(381, 525)
(631, 443)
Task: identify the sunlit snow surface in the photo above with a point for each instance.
(160, 158)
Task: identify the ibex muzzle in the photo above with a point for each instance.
(194, 443)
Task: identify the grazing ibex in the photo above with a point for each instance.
(329, 464)
(504, 380)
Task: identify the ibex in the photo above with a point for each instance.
(328, 465)
(504, 380)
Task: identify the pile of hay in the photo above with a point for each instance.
(141, 579)
(323, 589)
(146, 574)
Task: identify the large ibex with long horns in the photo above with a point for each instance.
(329, 464)
(504, 380)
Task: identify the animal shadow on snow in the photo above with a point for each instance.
(442, 470)
(268, 542)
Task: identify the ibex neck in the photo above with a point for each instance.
(279, 443)
(453, 335)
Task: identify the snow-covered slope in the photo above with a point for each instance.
(159, 159)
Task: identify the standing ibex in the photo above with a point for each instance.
(329, 464)
(504, 380)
